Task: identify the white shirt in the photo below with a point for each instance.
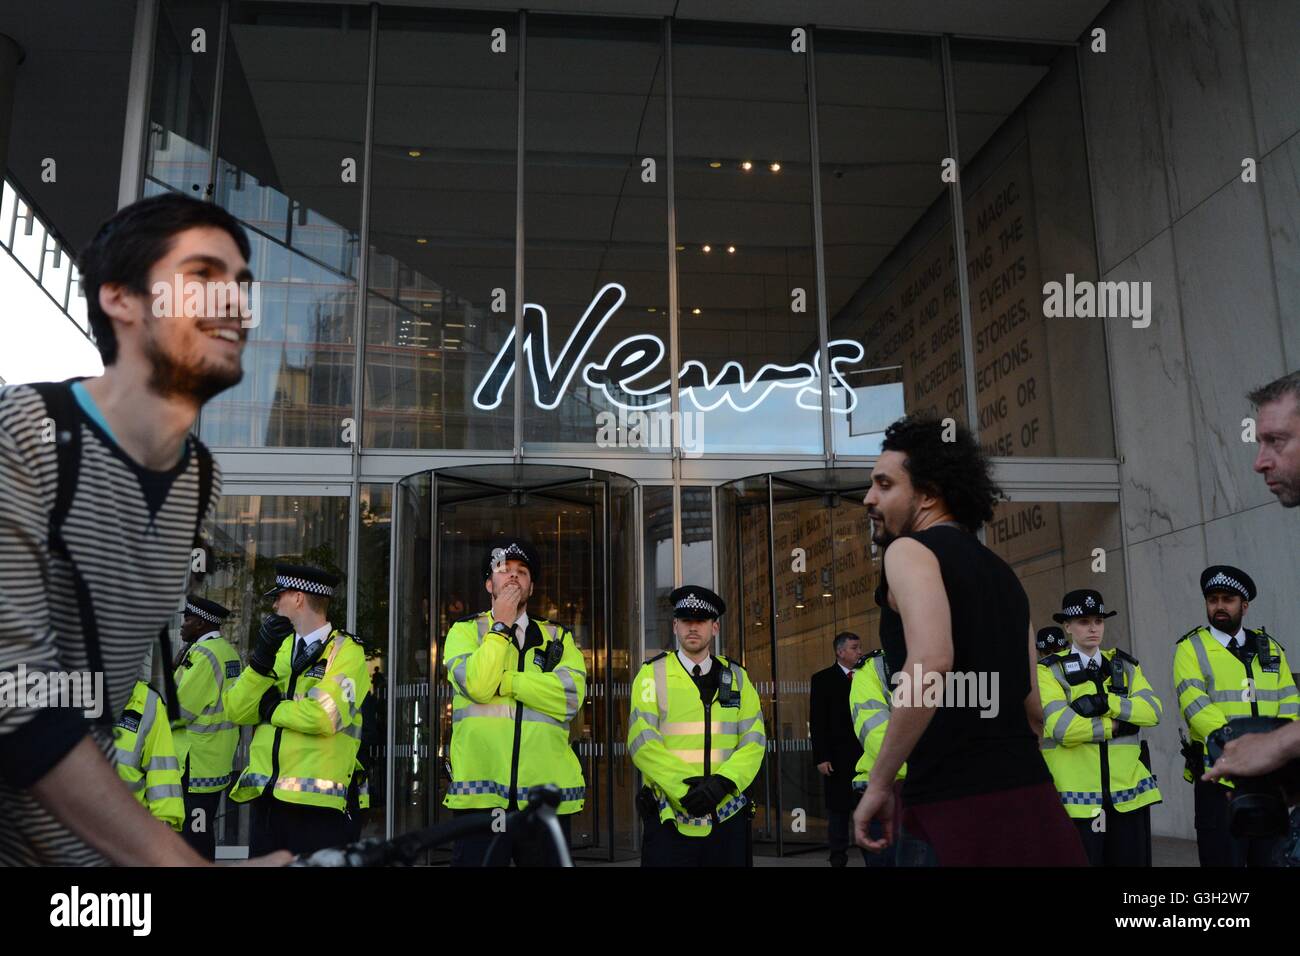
(1085, 658)
(522, 632)
(1224, 638)
(705, 665)
(847, 670)
(302, 641)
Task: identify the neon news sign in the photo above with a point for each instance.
(631, 360)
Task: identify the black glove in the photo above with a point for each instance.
(705, 794)
(270, 700)
(269, 638)
(1091, 705)
(1123, 728)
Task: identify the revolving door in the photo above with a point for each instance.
(797, 567)
(584, 525)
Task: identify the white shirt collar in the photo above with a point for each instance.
(203, 637)
(1084, 657)
(522, 633)
(847, 670)
(1224, 638)
(319, 634)
(705, 665)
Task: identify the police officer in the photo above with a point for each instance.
(870, 703)
(695, 732)
(146, 755)
(303, 688)
(205, 738)
(1094, 702)
(517, 684)
(1223, 670)
(1051, 640)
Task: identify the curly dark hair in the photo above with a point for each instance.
(955, 471)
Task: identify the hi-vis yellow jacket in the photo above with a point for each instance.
(870, 703)
(205, 738)
(1214, 686)
(146, 757)
(511, 714)
(672, 735)
(1076, 746)
(306, 754)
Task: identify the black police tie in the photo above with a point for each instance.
(695, 672)
(1239, 649)
(1093, 665)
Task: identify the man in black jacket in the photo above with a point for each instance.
(835, 746)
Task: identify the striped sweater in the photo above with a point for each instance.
(130, 530)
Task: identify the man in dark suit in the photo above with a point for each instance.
(835, 746)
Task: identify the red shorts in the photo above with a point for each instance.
(1026, 826)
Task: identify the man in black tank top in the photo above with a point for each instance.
(954, 625)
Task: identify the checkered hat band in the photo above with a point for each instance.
(693, 603)
(1075, 610)
(302, 584)
(1222, 580)
(201, 614)
(501, 555)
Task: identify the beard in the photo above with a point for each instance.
(882, 536)
(1227, 623)
(1288, 493)
(169, 377)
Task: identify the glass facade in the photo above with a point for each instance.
(698, 228)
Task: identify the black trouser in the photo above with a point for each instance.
(1122, 839)
(200, 830)
(839, 833)
(1215, 844)
(528, 848)
(277, 825)
(726, 845)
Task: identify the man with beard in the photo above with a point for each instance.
(1220, 672)
(1278, 460)
(102, 492)
(977, 789)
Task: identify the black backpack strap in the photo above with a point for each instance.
(169, 678)
(61, 406)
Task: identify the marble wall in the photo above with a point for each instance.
(1186, 90)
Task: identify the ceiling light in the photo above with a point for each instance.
(731, 249)
(706, 247)
(775, 167)
(680, 248)
(746, 165)
(714, 164)
(422, 241)
(695, 311)
(413, 153)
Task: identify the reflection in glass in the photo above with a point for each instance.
(442, 231)
(178, 153)
(373, 547)
(887, 231)
(595, 231)
(747, 300)
(290, 168)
